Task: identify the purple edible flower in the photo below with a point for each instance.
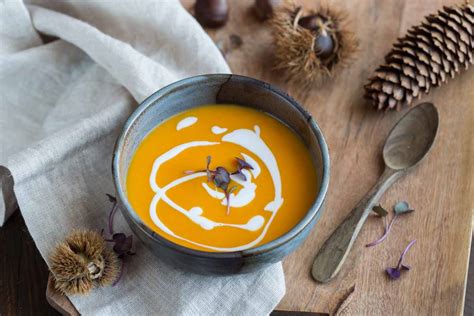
(385, 234)
(399, 209)
(112, 212)
(394, 273)
(227, 197)
(122, 243)
(221, 177)
(208, 172)
(242, 164)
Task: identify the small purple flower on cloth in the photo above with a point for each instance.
(122, 243)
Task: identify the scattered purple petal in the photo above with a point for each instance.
(410, 244)
(243, 164)
(380, 210)
(402, 208)
(208, 172)
(122, 243)
(394, 273)
(221, 178)
(385, 235)
(119, 237)
(227, 196)
(194, 171)
(399, 209)
(239, 173)
(112, 213)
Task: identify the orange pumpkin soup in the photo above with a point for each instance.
(221, 178)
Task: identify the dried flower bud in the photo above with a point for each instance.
(264, 8)
(211, 13)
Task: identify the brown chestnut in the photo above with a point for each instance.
(312, 22)
(211, 13)
(323, 45)
(324, 42)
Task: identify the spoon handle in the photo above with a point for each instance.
(335, 249)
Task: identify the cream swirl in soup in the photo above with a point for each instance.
(268, 199)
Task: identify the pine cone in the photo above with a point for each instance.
(424, 58)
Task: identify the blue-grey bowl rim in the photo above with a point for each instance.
(295, 231)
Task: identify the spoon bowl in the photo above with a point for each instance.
(411, 138)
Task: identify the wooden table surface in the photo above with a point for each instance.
(440, 189)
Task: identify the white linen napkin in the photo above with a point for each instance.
(62, 105)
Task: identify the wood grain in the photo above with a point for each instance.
(23, 273)
(334, 251)
(406, 145)
(57, 300)
(440, 189)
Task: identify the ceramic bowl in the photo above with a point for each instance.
(219, 88)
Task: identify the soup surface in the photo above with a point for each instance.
(170, 189)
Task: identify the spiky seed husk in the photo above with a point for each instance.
(294, 46)
(426, 57)
(82, 262)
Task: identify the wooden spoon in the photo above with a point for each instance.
(406, 145)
